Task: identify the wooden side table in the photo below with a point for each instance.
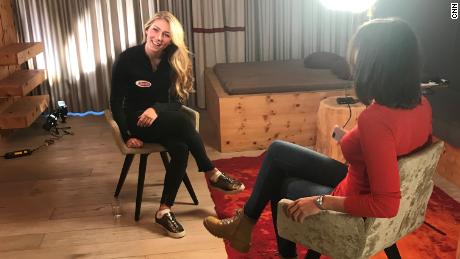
(330, 114)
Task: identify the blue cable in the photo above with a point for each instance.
(85, 113)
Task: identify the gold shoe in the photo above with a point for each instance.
(237, 230)
(227, 184)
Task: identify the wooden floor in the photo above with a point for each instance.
(58, 203)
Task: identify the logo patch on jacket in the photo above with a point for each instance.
(143, 83)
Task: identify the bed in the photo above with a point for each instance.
(252, 104)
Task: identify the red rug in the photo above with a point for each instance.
(426, 242)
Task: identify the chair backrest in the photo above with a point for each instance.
(416, 173)
(115, 131)
(193, 115)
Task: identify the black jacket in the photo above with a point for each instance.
(136, 87)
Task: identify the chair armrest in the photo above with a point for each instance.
(320, 231)
(194, 115)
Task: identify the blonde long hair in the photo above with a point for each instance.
(180, 60)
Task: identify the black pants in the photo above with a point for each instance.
(176, 132)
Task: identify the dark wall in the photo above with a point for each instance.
(439, 35)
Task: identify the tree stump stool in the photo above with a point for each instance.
(330, 113)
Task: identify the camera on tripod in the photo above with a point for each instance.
(60, 113)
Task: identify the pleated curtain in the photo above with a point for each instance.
(218, 37)
(293, 29)
(83, 38)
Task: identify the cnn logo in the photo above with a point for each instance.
(454, 11)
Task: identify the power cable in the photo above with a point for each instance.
(54, 132)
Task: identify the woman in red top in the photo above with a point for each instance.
(384, 58)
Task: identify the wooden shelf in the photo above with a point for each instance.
(5, 103)
(17, 108)
(23, 111)
(18, 53)
(21, 82)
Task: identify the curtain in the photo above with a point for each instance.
(218, 37)
(277, 30)
(183, 11)
(82, 39)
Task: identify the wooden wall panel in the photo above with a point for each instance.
(8, 33)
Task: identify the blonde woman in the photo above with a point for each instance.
(150, 82)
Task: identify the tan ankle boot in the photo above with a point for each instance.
(237, 230)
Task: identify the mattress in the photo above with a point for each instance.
(276, 77)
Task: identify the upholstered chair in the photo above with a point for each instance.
(343, 236)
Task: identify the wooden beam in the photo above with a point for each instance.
(21, 82)
(5, 102)
(23, 112)
(18, 53)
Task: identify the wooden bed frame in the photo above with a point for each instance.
(253, 121)
(449, 164)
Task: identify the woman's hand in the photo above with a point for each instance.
(147, 118)
(301, 208)
(134, 143)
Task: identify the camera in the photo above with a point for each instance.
(60, 113)
(51, 122)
